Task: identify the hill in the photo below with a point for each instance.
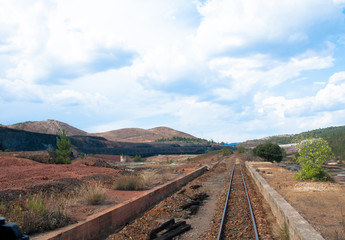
(19, 140)
(138, 135)
(48, 127)
(134, 135)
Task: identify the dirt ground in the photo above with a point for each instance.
(22, 177)
(321, 203)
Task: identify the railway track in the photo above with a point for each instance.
(238, 220)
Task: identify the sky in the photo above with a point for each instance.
(222, 70)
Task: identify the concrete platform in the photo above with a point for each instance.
(286, 215)
(102, 224)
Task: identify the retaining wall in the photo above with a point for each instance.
(102, 224)
(285, 214)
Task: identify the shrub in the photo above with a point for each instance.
(269, 151)
(312, 154)
(241, 150)
(93, 194)
(226, 152)
(7, 150)
(129, 183)
(147, 177)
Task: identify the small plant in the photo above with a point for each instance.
(93, 194)
(7, 150)
(148, 177)
(129, 183)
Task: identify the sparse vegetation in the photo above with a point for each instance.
(148, 177)
(36, 213)
(269, 151)
(312, 154)
(64, 149)
(92, 194)
(129, 183)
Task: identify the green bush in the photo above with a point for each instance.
(269, 151)
(241, 150)
(312, 154)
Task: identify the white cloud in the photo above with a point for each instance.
(233, 24)
(244, 75)
(329, 100)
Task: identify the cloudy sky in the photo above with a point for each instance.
(217, 69)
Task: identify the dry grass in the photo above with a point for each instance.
(92, 194)
(129, 183)
(37, 213)
(148, 177)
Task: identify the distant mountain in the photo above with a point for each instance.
(138, 135)
(134, 135)
(19, 140)
(48, 127)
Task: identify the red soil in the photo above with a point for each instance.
(20, 173)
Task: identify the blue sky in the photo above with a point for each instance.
(222, 70)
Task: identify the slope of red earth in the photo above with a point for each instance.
(21, 177)
(20, 173)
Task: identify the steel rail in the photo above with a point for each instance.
(250, 206)
(226, 205)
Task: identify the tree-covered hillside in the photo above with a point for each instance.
(335, 136)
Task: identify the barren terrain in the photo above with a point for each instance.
(321, 203)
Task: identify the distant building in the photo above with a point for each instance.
(124, 158)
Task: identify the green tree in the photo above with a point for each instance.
(269, 151)
(64, 149)
(311, 155)
(138, 158)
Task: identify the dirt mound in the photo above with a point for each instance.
(37, 156)
(10, 195)
(6, 161)
(63, 185)
(97, 178)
